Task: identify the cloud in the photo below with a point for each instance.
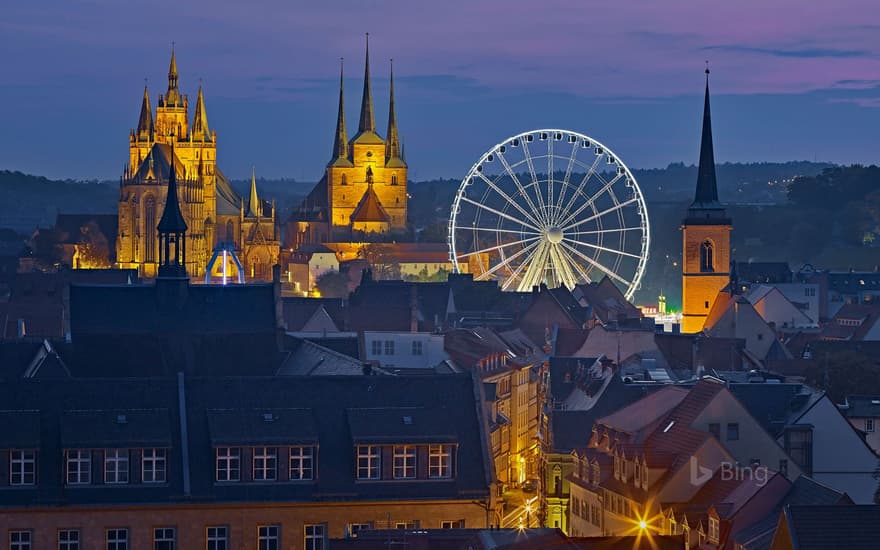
(804, 53)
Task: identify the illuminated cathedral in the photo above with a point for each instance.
(363, 192)
(216, 216)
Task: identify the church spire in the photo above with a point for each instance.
(172, 229)
(340, 144)
(145, 121)
(172, 96)
(254, 206)
(200, 131)
(706, 196)
(392, 139)
(367, 122)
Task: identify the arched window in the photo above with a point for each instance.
(707, 256)
(344, 180)
(394, 179)
(230, 233)
(369, 175)
(150, 228)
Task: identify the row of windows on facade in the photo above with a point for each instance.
(264, 461)
(387, 347)
(165, 538)
(369, 178)
(217, 537)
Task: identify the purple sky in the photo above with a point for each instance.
(790, 79)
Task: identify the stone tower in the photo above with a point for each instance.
(705, 237)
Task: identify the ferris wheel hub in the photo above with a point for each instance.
(554, 235)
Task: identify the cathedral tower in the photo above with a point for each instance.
(706, 238)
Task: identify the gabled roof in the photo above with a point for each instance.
(608, 302)
(823, 527)
(862, 406)
(370, 209)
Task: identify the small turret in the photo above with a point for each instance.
(340, 142)
(144, 130)
(172, 96)
(392, 139)
(254, 207)
(200, 130)
(367, 121)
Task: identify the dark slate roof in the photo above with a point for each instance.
(862, 406)
(823, 527)
(390, 424)
(21, 428)
(763, 272)
(106, 428)
(775, 405)
(226, 409)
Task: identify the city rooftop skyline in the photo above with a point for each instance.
(789, 82)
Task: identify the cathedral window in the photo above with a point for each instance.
(393, 179)
(344, 180)
(707, 256)
(150, 228)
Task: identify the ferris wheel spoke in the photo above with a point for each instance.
(499, 213)
(531, 165)
(612, 250)
(516, 272)
(506, 197)
(515, 178)
(496, 230)
(535, 269)
(600, 214)
(565, 181)
(580, 187)
(597, 265)
(550, 214)
(562, 271)
(602, 231)
(577, 265)
(608, 185)
(496, 247)
(484, 275)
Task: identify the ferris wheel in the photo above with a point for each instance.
(550, 206)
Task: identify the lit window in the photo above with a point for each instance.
(452, 524)
(116, 466)
(368, 460)
(733, 431)
(417, 347)
(313, 538)
(414, 524)
(228, 464)
(163, 538)
(22, 468)
(79, 467)
(404, 462)
(68, 539)
(439, 461)
(714, 530)
(265, 463)
(389, 347)
(117, 539)
(376, 347)
(153, 466)
(217, 538)
(20, 540)
(302, 464)
(267, 537)
(707, 256)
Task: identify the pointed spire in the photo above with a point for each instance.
(145, 121)
(367, 122)
(172, 219)
(200, 131)
(340, 143)
(254, 206)
(172, 96)
(706, 196)
(392, 139)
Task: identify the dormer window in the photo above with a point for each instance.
(638, 473)
(714, 530)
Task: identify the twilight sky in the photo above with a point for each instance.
(790, 79)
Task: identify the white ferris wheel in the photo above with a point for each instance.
(550, 206)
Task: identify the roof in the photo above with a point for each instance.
(113, 428)
(645, 411)
(763, 272)
(862, 406)
(822, 527)
(608, 302)
(706, 194)
(307, 358)
(370, 208)
(774, 406)
(230, 410)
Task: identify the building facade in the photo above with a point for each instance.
(215, 213)
(705, 239)
(364, 188)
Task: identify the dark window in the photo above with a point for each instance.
(715, 430)
(163, 538)
(68, 539)
(302, 463)
(268, 537)
(733, 431)
(150, 228)
(217, 538)
(783, 466)
(117, 539)
(228, 464)
(799, 446)
(707, 256)
(230, 233)
(20, 540)
(22, 467)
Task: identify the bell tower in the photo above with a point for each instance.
(706, 238)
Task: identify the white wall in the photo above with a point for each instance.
(403, 356)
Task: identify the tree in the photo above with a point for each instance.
(382, 258)
(332, 284)
(843, 373)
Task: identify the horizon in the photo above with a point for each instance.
(782, 87)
